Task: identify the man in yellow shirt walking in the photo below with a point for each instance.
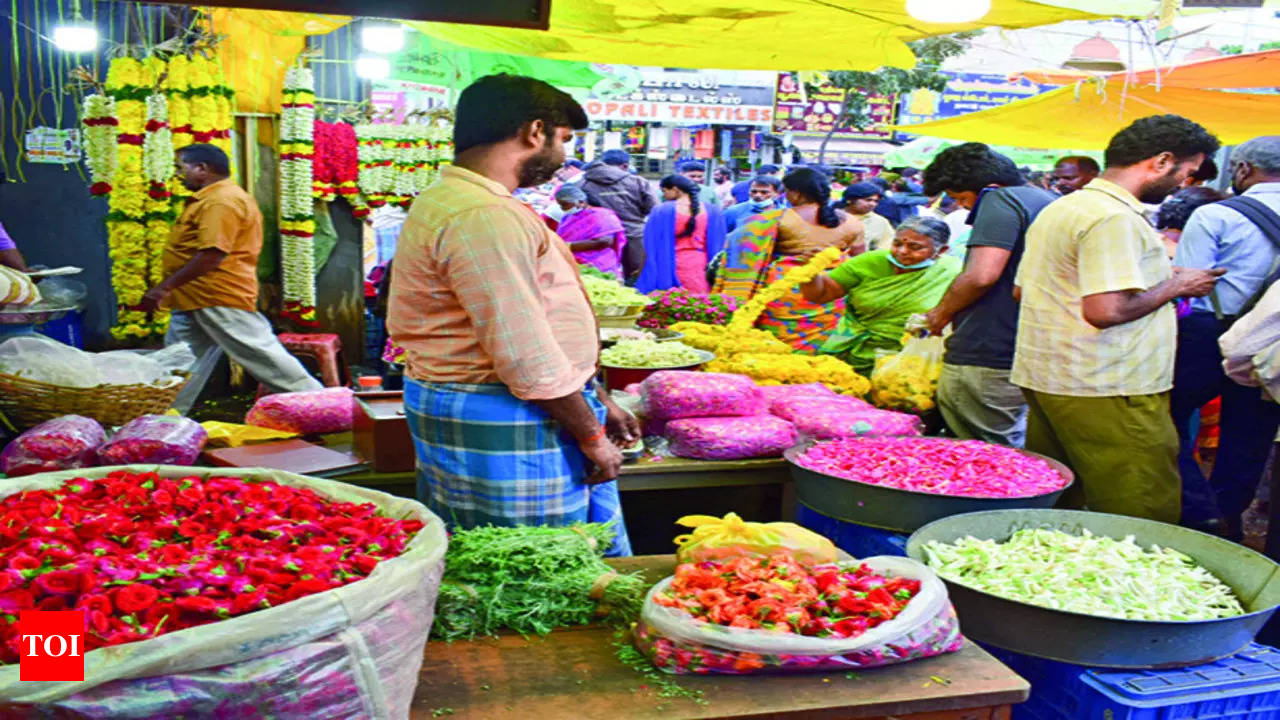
(1097, 331)
(211, 268)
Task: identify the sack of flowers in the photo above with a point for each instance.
(219, 593)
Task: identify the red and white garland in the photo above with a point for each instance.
(157, 147)
(399, 161)
(100, 128)
(336, 161)
(297, 206)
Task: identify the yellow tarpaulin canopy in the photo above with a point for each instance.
(1255, 70)
(749, 34)
(1087, 115)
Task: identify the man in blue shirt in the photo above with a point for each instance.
(765, 190)
(742, 191)
(1222, 235)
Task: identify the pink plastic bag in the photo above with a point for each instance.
(844, 424)
(158, 439)
(793, 408)
(312, 411)
(675, 394)
(64, 443)
(730, 438)
(774, 393)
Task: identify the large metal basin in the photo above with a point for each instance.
(1109, 642)
(902, 511)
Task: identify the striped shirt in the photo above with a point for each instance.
(1093, 241)
(482, 292)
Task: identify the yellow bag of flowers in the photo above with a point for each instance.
(908, 380)
(716, 538)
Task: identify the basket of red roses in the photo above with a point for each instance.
(776, 614)
(245, 593)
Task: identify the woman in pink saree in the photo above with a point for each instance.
(595, 235)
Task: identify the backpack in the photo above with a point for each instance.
(1266, 220)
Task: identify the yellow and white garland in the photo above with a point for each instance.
(297, 206)
(399, 161)
(100, 124)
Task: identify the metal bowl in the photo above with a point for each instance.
(1100, 641)
(617, 378)
(898, 510)
(665, 335)
(30, 315)
(618, 312)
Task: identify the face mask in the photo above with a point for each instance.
(761, 204)
(571, 211)
(918, 266)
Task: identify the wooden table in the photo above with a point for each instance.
(573, 673)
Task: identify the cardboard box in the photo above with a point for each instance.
(381, 432)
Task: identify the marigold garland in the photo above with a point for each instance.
(745, 317)
(297, 208)
(129, 82)
(100, 126)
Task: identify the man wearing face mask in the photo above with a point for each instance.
(1242, 235)
(860, 200)
(765, 190)
(1097, 326)
(501, 343)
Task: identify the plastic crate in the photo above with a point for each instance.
(1245, 686)
(857, 540)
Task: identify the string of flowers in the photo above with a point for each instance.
(399, 161)
(128, 83)
(336, 161)
(157, 159)
(297, 208)
(100, 125)
(176, 85)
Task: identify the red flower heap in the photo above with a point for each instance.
(145, 555)
(780, 594)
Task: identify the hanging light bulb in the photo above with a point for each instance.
(382, 37)
(948, 12)
(371, 67)
(76, 37)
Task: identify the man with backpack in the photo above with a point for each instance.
(1242, 236)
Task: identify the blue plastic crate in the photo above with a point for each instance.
(1245, 686)
(857, 540)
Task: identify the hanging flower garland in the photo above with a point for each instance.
(176, 85)
(336, 161)
(399, 161)
(157, 160)
(128, 82)
(297, 208)
(100, 125)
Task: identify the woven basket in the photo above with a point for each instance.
(26, 403)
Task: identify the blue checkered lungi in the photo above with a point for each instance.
(485, 457)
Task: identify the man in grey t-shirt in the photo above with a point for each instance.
(974, 393)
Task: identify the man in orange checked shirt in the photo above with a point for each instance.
(509, 425)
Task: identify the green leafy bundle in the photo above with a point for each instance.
(532, 580)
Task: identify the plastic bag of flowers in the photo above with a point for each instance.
(717, 618)
(909, 380)
(311, 411)
(674, 394)
(230, 594)
(63, 443)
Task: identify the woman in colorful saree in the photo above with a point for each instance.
(883, 288)
(680, 238)
(766, 246)
(595, 235)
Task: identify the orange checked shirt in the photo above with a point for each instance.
(483, 292)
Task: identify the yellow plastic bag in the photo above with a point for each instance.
(908, 381)
(222, 434)
(716, 538)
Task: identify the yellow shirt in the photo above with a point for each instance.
(221, 216)
(483, 292)
(1093, 241)
(796, 235)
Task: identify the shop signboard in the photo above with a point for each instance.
(684, 97)
(394, 99)
(808, 114)
(965, 93)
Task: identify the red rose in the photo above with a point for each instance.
(13, 601)
(53, 603)
(134, 597)
(95, 603)
(173, 555)
(59, 582)
(303, 512)
(23, 561)
(196, 604)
